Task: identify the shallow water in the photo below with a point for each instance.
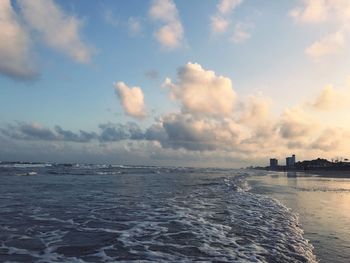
(323, 205)
(106, 214)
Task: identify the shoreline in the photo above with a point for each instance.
(317, 172)
(320, 199)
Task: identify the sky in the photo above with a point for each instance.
(226, 83)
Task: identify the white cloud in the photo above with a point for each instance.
(256, 111)
(295, 123)
(201, 91)
(329, 140)
(334, 13)
(241, 33)
(220, 22)
(132, 100)
(163, 10)
(170, 33)
(15, 55)
(56, 28)
(227, 6)
(327, 99)
(320, 11)
(328, 45)
(332, 99)
(312, 11)
(196, 133)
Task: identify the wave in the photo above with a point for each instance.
(173, 217)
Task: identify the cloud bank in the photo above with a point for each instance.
(212, 122)
(108, 132)
(213, 118)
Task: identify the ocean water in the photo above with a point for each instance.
(97, 213)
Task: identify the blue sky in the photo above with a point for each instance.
(62, 66)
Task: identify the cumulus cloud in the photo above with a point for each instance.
(256, 114)
(201, 91)
(296, 123)
(226, 6)
(204, 124)
(15, 55)
(312, 11)
(156, 132)
(56, 28)
(194, 133)
(132, 100)
(256, 109)
(328, 45)
(209, 119)
(220, 21)
(170, 33)
(319, 11)
(329, 140)
(333, 12)
(219, 24)
(331, 99)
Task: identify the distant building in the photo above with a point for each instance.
(273, 163)
(290, 161)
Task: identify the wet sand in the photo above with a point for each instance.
(322, 201)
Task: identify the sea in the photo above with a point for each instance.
(116, 213)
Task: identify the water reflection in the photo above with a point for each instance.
(323, 205)
(291, 174)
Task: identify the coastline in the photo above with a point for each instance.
(330, 173)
